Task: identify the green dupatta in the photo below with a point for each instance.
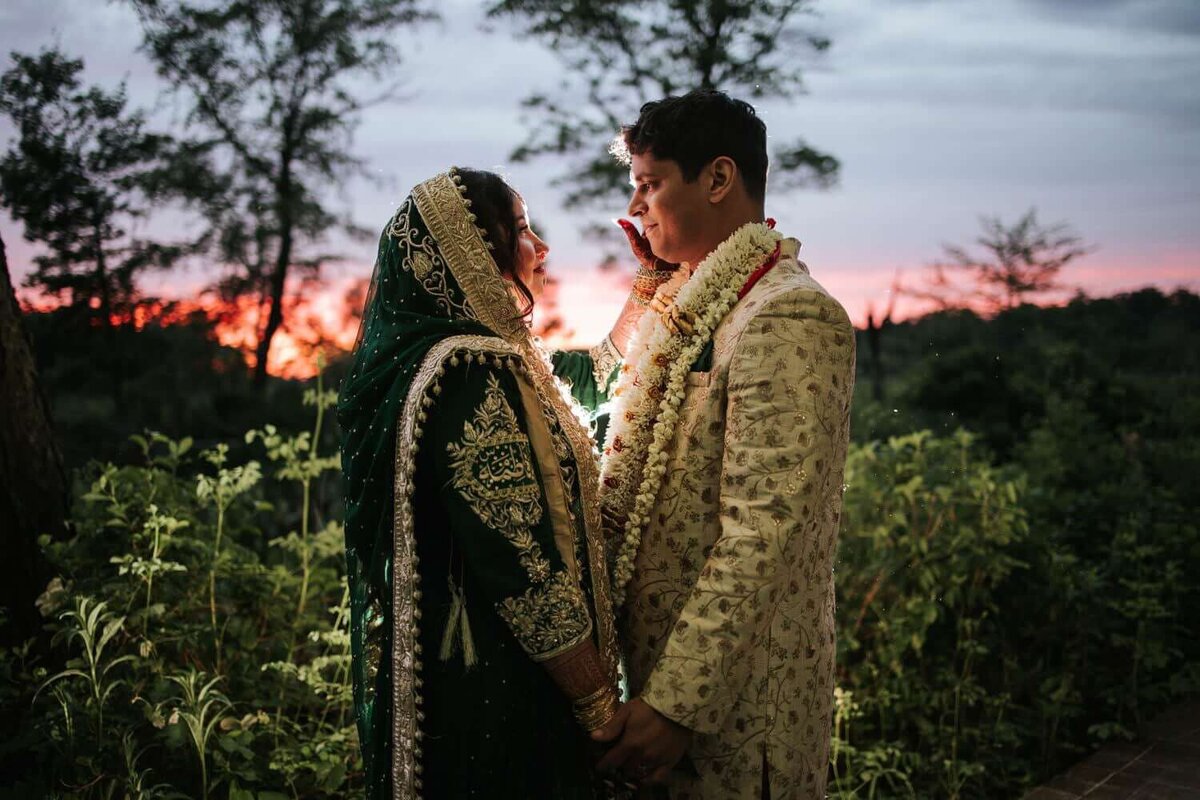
(435, 290)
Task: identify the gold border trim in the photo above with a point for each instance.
(556, 400)
(558, 498)
(467, 255)
(406, 654)
(449, 220)
(558, 651)
(604, 360)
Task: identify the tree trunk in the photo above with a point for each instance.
(875, 346)
(33, 486)
(274, 316)
(283, 260)
(102, 274)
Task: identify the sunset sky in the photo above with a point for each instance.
(939, 111)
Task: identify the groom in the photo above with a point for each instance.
(722, 484)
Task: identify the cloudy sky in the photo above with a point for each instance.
(940, 110)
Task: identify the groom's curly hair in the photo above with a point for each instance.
(695, 128)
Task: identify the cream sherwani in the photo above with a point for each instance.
(729, 627)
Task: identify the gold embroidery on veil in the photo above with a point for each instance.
(420, 254)
(444, 210)
(487, 299)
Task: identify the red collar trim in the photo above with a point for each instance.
(755, 276)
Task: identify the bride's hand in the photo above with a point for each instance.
(652, 273)
(642, 251)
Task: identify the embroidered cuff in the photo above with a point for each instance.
(604, 360)
(549, 618)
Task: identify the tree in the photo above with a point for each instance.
(33, 493)
(269, 89)
(1017, 263)
(619, 55)
(81, 173)
(874, 331)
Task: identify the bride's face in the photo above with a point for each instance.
(531, 252)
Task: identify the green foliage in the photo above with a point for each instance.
(203, 629)
(80, 174)
(1122, 537)
(993, 624)
(617, 56)
(269, 92)
(199, 707)
(92, 629)
(930, 538)
(1132, 360)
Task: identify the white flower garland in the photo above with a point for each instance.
(646, 403)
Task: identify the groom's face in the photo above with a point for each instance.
(672, 210)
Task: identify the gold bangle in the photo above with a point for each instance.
(594, 697)
(647, 281)
(595, 710)
(597, 718)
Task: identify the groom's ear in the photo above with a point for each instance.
(721, 175)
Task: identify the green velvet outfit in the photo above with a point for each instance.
(472, 526)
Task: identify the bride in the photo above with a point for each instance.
(482, 629)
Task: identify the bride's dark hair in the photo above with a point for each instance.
(491, 202)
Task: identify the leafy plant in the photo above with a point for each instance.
(930, 538)
(204, 613)
(221, 491)
(93, 628)
(200, 707)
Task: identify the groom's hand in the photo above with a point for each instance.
(642, 250)
(650, 744)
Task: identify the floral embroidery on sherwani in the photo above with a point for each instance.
(729, 626)
(493, 471)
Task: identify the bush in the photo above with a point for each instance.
(202, 614)
(929, 537)
(992, 631)
(995, 622)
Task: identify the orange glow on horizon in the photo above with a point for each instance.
(320, 323)
(585, 302)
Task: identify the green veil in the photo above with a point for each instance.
(435, 283)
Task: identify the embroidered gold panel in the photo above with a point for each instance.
(419, 253)
(406, 579)
(494, 474)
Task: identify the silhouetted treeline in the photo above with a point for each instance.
(105, 386)
(1131, 361)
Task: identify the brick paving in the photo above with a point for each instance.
(1163, 766)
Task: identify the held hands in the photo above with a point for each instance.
(650, 744)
